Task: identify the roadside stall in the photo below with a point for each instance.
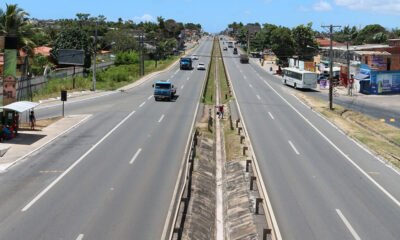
(11, 116)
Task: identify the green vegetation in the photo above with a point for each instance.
(209, 90)
(110, 79)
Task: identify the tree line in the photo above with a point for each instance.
(79, 33)
(300, 41)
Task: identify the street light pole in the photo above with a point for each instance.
(94, 58)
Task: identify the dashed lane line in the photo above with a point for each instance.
(135, 156)
(69, 169)
(294, 148)
(348, 225)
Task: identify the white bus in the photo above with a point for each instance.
(299, 78)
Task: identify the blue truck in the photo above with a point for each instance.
(164, 90)
(185, 63)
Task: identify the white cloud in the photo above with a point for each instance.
(144, 18)
(322, 6)
(386, 6)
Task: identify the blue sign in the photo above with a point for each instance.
(385, 82)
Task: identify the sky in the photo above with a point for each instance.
(215, 15)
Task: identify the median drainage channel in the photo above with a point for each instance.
(222, 197)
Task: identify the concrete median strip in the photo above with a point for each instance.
(19, 150)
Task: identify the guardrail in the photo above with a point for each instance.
(174, 223)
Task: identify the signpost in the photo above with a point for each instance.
(63, 99)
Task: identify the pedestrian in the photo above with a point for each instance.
(221, 111)
(16, 123)
(32, 120)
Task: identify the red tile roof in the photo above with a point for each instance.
(325, 42)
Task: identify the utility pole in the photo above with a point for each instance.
(331, 65)
(94, 57)
(248, 42)
(349, 84)
(141, 39)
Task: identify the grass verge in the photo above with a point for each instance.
(107, 79)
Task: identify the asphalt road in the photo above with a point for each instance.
(322, 185)
(111, 178)
(377, 108)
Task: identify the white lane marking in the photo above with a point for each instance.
(258, 96)
(250, 85)
(177, 70)
(188, 78)
(135, 156)
(143, 103)
(294, 148)
(80, 237)
(182, 86)
(337, 148)
(244, 76)
(270, 114)
(44, 191)
(161, 118)
(149, 97)
(348, 225)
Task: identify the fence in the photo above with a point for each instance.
(27, 86)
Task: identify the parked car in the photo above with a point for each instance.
(195, 57)
(225, 49)
(201, 66)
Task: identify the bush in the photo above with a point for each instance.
(125, 58)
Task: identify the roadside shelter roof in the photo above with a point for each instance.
(21, 106)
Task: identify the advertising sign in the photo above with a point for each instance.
(385, 82)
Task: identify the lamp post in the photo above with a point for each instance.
(94, 58)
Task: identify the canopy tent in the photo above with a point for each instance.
(361, 76)
(21, 106)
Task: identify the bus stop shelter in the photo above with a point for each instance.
(20, 107)
(10, 110)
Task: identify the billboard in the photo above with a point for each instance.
(71, 57)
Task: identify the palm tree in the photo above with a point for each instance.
(14, 23)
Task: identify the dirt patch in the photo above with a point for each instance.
(378, 136)
(40, 124)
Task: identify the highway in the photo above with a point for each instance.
(322, 185)
(114, 176)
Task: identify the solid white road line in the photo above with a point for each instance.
(135, 156)
(80, 237)
(270, 114)
(348, 225)
(258, 96)
(44, 191)
(149, 97)
(294, 148)
(143, 103)
(397, 202)
(161, 118)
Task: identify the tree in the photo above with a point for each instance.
(373, 33)
(304, 41)
(282, 43)
(14, 22)
(122, 40)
